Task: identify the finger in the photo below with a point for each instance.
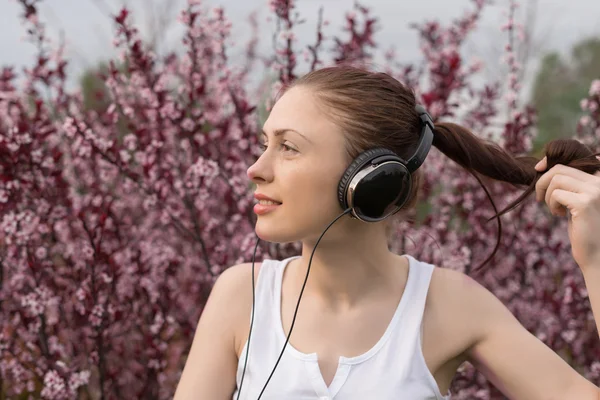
(542, 184)
(565, 182)
(542, 165)
(561, 200)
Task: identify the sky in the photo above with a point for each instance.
(87, 27)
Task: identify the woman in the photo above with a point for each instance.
(373, 324)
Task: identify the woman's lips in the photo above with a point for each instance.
(261, 209)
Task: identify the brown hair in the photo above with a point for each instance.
(376, 110)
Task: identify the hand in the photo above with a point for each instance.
(568, 190)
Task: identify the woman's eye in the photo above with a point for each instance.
(288, 148)
(284, 146)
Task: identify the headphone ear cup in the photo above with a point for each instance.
(382, 191)
(355, 166)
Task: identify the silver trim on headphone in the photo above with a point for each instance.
(356, 179)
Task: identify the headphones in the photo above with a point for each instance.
(378, 182)
(375, 185)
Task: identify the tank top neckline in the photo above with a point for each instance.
(406, 294)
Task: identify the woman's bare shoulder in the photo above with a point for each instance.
(237, 281)
(452, 300)
(239, 275)
(212, 354)
(450, 318)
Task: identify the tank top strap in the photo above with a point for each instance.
(420, 372)
(423, 272)
(267, 292)
(417, 290)
(264, 289)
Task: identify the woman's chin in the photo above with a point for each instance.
(273, 233)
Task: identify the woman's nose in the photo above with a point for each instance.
(260, 171)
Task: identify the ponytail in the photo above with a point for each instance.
(486, 158)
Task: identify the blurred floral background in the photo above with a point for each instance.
(126, 129)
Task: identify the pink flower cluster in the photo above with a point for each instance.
(588, 127)
(448, 73)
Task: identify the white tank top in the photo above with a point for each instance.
(394, 368)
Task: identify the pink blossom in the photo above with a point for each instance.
(595, 88)
(584, 104)
(585, 120)
(54, 386)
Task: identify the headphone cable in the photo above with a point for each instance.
(347, 211)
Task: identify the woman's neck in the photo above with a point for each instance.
(344, 272)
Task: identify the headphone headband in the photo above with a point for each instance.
(425, 142)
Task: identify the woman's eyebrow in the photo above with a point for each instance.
(279, 132)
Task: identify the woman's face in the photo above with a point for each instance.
(300, 168)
